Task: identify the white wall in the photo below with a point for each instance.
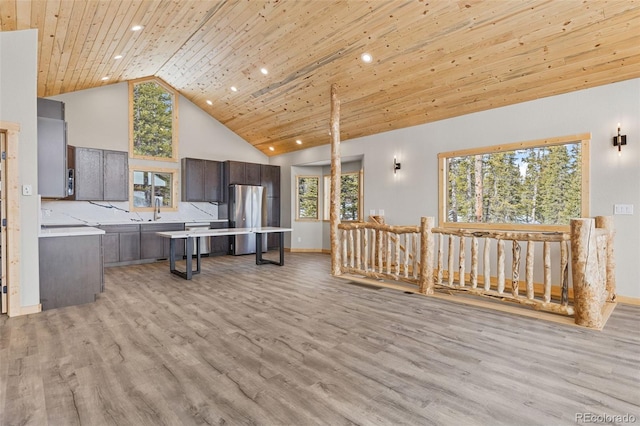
(412, 193)
(18, 90)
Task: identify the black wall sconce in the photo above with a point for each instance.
(619, 140)
(396, 165)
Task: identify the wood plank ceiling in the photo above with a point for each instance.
(431, 59)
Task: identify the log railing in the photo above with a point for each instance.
(475, 262)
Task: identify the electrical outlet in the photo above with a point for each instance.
(299, 239)
(27, 190)
(381, 212)
(623, 209)
(372, 212)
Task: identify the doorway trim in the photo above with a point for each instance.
(11, 211)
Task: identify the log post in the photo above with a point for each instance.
(450, 260)
(564, 272)
(500, 266)
(546, 261)
(474, 262)
(462, 262)
(606, 222)
(584, 265)
(336, 171)
(426, 255)
(515, 268)
(529, 269)
(440, 256)
(486, 267)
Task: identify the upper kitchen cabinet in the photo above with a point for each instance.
(100, 175)
(270, 179)
(202, 180)
(240, 173)
(52, 149)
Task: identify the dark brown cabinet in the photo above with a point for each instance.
(71, 270)
(121, 243)
(100, 175)
(240, 173)
(153, 246)
(270, 180)
(202, 180)
(219, 246)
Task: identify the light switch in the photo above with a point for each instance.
(381, 212)
(623, 209)
(27, 190)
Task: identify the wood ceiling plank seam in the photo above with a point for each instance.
(81, 34)
(203, 16)
(118, 28)
(23, 15)
(69, 12)
(46, 47)
(153, 50)
(145, 16)
(8, 16)
(197, 45)
(38, 13)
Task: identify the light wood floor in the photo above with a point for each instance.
(268, 345)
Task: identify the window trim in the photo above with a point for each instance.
(326, 211)
(583, 138)
(174, 188)
(307, 219)
(174, 123)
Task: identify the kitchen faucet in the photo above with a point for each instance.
(156, 209)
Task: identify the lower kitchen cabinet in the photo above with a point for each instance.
(153, 246)
(71, 270)
(219, 246)
(121, 243)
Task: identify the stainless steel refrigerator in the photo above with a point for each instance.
(247, 209)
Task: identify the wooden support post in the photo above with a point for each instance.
(336, 172)
(606, 222)
(587, 291)
(426, 255)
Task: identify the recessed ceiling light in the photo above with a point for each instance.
(366, 57)
(137, 28)
(209, 102)
(234, 89)
(299, 142)
(104, 78)
(271, 148)
(264, 71)
(117, 57)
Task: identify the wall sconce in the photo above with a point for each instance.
(619, 140)
(396, 165)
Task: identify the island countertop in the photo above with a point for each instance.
(69, 231)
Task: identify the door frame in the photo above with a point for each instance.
(11, 211)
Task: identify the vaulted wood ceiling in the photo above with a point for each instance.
(432, 59)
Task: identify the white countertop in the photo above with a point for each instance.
(222, 232)
(69, 231)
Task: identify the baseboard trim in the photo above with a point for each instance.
(27, 310)
(626, 300)
(307, 250)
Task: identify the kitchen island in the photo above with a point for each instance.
(193, 241)
(71, 266)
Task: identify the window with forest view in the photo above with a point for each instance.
(149, 186)
(307, 197)
(153, 120)
(527, 185)
(349, 197)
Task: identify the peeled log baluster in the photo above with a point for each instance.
(461, 262)
(564, 272)
(407, 238)
(397, 256)
(450, 259)
(426, 255)
(529, 269)
(387, 255)
(486, 263)
(440, 256)
(351, 249)
(359, 247)
(344, 248)
(515, 268)
(366, 249)
(474, 262)
(500, 266)
(546, 260)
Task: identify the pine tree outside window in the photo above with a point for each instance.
(153, 122)
(537, 185)
(151, 186)
(307, 199)
(350, 197)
